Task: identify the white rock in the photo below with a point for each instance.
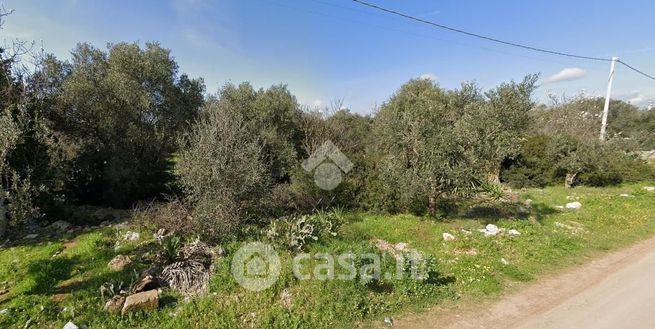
(649, 188)
(491, 227)
(625, 195)
(559, 207)
(573, 205)
(5, 311)
(514, 232)
(574, 227)
(504, 261)
(491, 230)
(131, 236)
(71, 325)
(31, 236)
(401, 246)
(448, 237)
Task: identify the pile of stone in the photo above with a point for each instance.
(493, 230)
(396, 250)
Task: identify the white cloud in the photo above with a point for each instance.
(567, 74)
(639, 99)
(429, 76)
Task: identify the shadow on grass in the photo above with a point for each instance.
(67, 274)
(442, 280)
(47, 273)
(382, 286)
(495, 212)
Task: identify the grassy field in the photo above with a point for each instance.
(48, 283)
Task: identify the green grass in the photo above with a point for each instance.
(50, 291)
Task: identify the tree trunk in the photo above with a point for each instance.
(3, 215)
(433, 200)
(432, 204)
(568, 181)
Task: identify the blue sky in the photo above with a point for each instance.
(336, 49)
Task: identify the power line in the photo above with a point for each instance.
(484, 37)
(390, 11)
(636, 70)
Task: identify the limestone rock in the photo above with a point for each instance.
(60, 225)
(574, 205)
(448, 237)
(131, 236)
(490, 230)
(71, 325)
(514, 232)
(115, 304)
(401, 246)
(120, 262)
(143, 301)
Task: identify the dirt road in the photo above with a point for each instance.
(615, 291)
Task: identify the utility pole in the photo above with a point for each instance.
(603, 126)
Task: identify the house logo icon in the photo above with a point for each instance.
(256, 266)
(327, 174)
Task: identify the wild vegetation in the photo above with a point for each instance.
(50, 291)
(203, 174)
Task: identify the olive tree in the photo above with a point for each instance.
(503, 121)
(421, 150)
(574, 155)
(16, 191)
(121, 110)
(9, 136)
(222, 170)
(273, 114)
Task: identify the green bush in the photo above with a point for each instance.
(532, 166)
(545, 160)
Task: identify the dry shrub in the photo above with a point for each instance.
(190, 274)
(173, 216)
(188, 277)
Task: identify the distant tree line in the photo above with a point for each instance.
(117, 126)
